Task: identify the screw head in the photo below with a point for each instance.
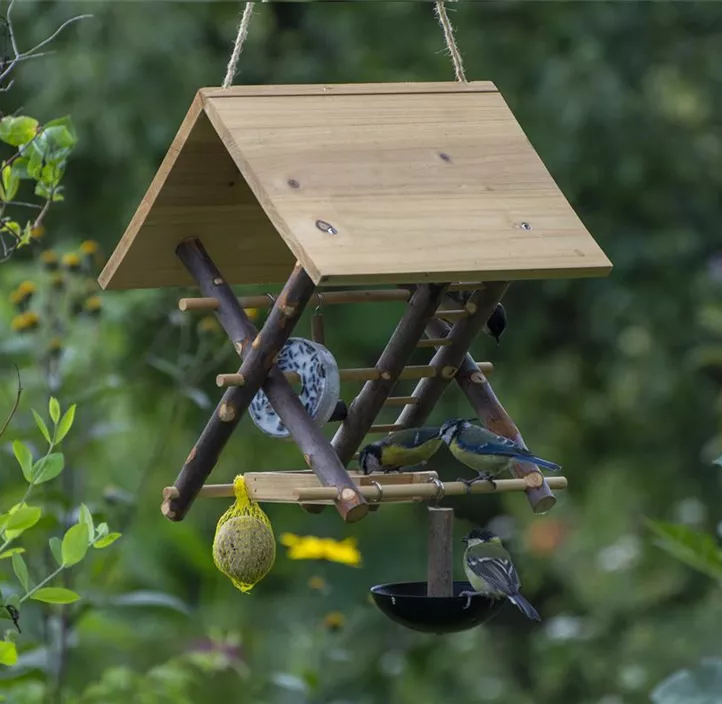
(326, 227)
(525, 226)
(293, 183)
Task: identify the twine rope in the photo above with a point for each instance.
(451, 44)
(243, 25)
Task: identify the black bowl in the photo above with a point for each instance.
(407, 604)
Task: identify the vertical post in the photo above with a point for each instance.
(440, 576)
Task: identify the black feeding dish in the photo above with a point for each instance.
(407, 604)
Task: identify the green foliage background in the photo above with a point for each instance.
(617, 379)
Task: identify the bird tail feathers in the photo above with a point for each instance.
(525, 607)
(551, 466)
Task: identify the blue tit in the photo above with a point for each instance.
(490, 571)
(403, 448)
(486, 452)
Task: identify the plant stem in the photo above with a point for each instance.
(50, 577)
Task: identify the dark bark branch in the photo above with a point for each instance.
(400, 347)
(258, 351)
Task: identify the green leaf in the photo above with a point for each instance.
(10, 183)
(41, 426)
(24, 458)
(61, 132)
(57, 196)
(11, 552)
(48, 468)
(87, 518)
(21, 519)
(35, 164)
(21, 571)
(75, 544)
(54, 409)
(8, 653)
(20, 167)
(102, 530)
(698, 550)
(56, 549)
(17, 131)
(107, 540)
(66, 423)
(55, 595)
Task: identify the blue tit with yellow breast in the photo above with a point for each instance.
(404, 448)
(485, 452)
(490, 571)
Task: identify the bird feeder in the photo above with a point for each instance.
(374, 193)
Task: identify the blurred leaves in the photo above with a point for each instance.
(698, 550)
(703, 685)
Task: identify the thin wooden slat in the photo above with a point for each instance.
(440, 560)
(388, 172)
(452, 315)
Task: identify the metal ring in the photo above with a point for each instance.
(440, 489)
(320, 303)
(380, 489)
(272, 298)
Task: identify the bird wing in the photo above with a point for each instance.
(498, 573)
(413, 437)
(483, 441)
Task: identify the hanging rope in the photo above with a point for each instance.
(238, 46)
(445, 23)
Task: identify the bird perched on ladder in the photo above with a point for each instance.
(403, 448)
(497, 323)
(485, 452)
(490, 571)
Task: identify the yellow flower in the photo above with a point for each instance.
(317, 584)
(23, 293)
(25, 322)
(252, 313)
(49, 259)
(71, 261)
(209, 324)
(334, 621)
(89, 247)
(93, 304)
(58, 281)
(37, 232)
(55, 347)
(310, 547)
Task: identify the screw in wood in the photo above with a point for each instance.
(326, 227)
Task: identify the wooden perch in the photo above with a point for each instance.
(303, 487)
(367, 405)
(429, 391)
(493, 416)
(326, 298)
(258, 351)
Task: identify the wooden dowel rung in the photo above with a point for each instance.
(390, 428)
(455, 314)
(225, 380)
(434, 342)
(423, 371)
(326, 298)
(198, 304)
(401, 401)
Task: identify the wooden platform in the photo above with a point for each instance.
(417, 181)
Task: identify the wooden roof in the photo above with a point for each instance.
(420, 182)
